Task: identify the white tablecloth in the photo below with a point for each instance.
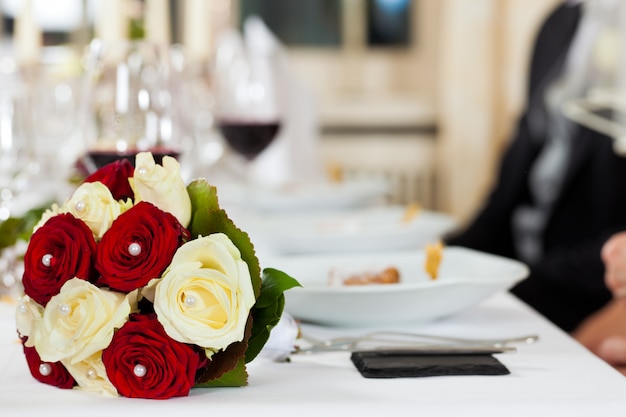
(553, 377)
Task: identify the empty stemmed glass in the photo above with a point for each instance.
(16, 160)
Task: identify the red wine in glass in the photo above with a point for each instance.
(99, 158)
(249, 138)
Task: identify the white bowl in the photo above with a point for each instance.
(465, 278)
(365, 229)
(307, 196)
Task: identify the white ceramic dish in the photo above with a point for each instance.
(368, 229)
(465, 278)
(308, 196)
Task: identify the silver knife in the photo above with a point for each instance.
(419, 350)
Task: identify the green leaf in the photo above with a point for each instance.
(15, 228)
(30, 219)
(275, 283)
(203, 201)
(268, 309)
(9, 232)
(265, 319)
(207, 217)
(238, 377)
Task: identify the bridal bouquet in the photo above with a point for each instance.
(143, 287)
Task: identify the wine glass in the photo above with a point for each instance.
(16, 161)
(247, 104)
(127, 103)
(193, 83)
(53, 104)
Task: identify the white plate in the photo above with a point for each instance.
(465, 278)
(359, 230)
(308, 196)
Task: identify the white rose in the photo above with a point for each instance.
(162, 186)
(27, 316)
(91, 375)
(94, 204)
(79, 321)
(206, 295)
(47, 215)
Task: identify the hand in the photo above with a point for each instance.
(613, 351)
(604, 334)
(614, 257)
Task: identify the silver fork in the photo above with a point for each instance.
(412, 340)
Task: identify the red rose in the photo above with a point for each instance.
(49, 373)
(142, 361)
(138, 247)
(115, 176)
(63, 248)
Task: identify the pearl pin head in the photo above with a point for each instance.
(45, 369)
(139, 370)
(92, 374)
(22, 307)
(190, 301)
(80, 206)
(134, 249)
(46, 260)
(64, 309)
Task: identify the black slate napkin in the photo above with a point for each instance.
(407, 364)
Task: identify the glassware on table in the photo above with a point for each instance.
(56, 139)
(128, 103)
(15, 138)
(248, 111)
(202, 144)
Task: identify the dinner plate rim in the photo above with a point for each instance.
(321, 195)
(281, 232)
(337, 300)
(350, 257)
(402, 287)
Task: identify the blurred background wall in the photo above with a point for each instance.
(485, 47)
(446, 103)
(429, 105)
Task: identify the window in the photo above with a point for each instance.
(302, 22)
(325, 23)
(388, 22)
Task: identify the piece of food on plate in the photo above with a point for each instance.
(334, 172)
(411, 212)
(387, 275)
(434, 253)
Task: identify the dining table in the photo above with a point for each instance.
(554, 376)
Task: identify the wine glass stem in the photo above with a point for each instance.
(250, 189)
